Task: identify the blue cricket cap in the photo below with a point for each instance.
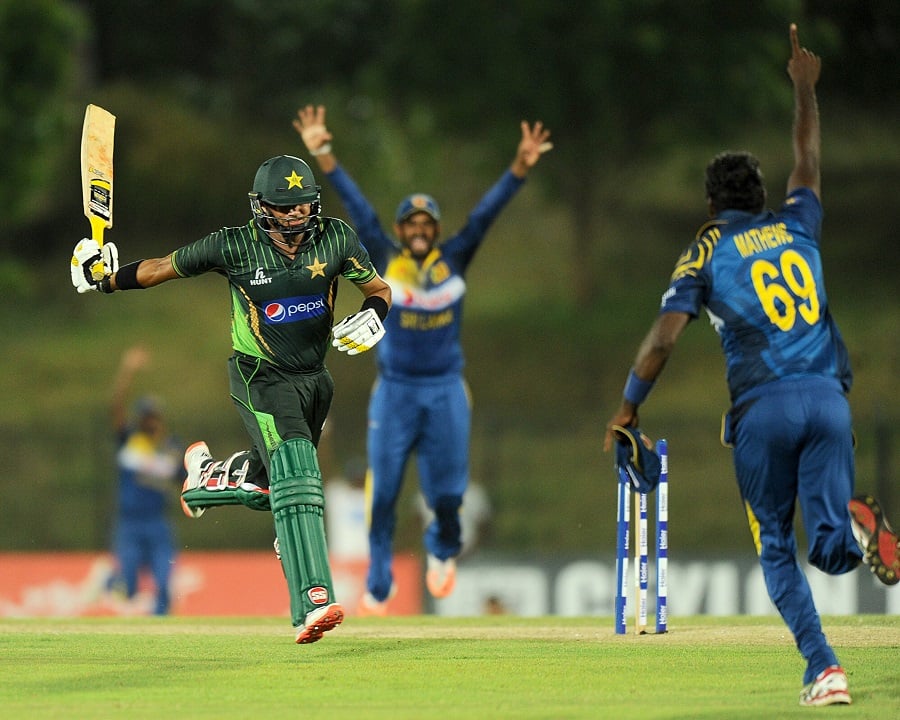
(419, 202)
(148, 405)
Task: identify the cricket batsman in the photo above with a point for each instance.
(282, 269)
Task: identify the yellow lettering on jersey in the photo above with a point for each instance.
(757, 240)
(425, 321)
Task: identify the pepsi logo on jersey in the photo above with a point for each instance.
(294, 309)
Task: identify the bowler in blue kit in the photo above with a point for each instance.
(758, 274)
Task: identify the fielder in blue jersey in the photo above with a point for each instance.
(759, 276)
(420, 401)
(148, 462)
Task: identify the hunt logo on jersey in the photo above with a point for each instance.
(259, 278)
(294, 309)
(317, 595)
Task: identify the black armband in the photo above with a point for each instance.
(378, 304)
(126, 277)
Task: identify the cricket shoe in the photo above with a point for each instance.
(196, 459)
(318, 622)
(876, 538)
(829, 688)
(369, 606)
(440, 576)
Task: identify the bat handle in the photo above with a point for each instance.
(98, 225)
(97, 228)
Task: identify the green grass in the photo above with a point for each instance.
(428, 667)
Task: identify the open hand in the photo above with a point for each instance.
(310, 124)
(534, 143)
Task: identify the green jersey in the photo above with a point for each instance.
(282, 310)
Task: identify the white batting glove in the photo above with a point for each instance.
(357, 333)
(91, 263)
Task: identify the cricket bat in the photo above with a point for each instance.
(97, 173)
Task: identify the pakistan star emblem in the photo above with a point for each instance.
(294, 180)
(317, 268)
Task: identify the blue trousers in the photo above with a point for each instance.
(793, 443)
(146, 543)
(432, 419)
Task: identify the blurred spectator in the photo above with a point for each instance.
(149, 468)
(494, 605)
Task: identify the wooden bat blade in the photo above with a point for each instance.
(97, 168)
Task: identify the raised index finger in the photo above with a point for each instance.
(795, 41)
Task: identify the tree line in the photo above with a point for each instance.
(619, 81)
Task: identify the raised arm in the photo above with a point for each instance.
(310, 124)
(133, 360)
(804, 68)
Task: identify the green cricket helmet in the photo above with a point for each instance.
(284, 181)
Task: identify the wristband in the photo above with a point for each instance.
(321, 150)
(378, 304)
(104, 285)
(636, 390)
(126, 277)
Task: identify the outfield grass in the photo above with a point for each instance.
(429, 667)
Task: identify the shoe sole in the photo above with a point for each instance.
(838, 697)
(440, 589)
(313, 632)
(865, 510)
(882, 552)
(366, 610)
(830, 688)
(191, 513)
(191, 447)
(887, 544)
(370, 607)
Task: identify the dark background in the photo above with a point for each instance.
(428, 96)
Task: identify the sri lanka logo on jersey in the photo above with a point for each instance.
(289, 310)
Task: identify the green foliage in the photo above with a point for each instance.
(558, 301)
(17, 281)
(39, 43)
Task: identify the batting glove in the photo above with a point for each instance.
(91, 263)
(357, 333)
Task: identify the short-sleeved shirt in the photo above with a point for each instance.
(282, 310)
(760, 278)
(422, 341)
(143, 464)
